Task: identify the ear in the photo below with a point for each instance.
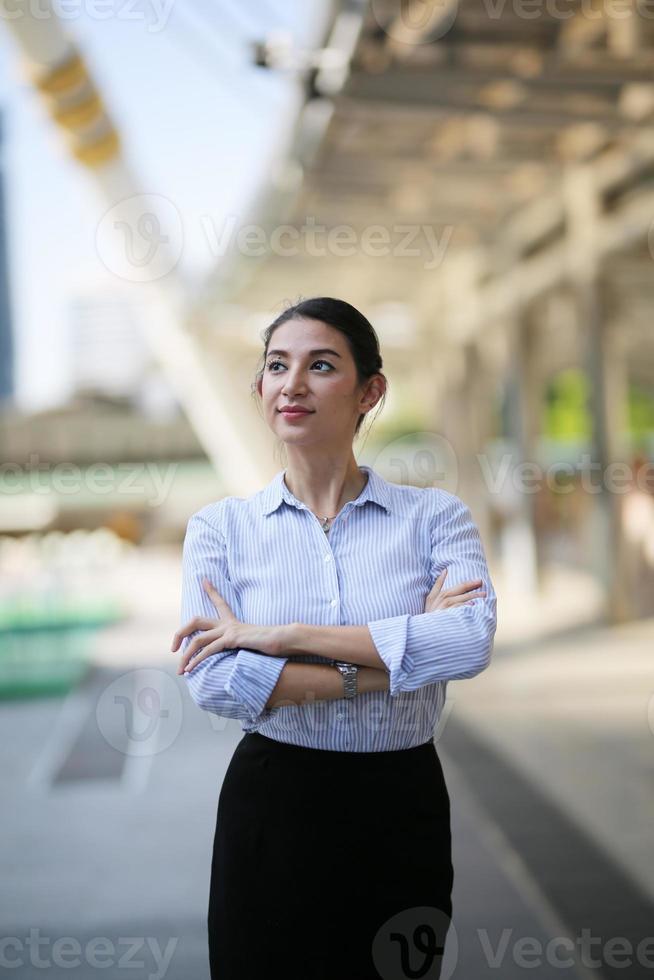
(374, 390)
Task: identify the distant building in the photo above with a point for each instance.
(6, 325)
(110, 357)
(109, 354)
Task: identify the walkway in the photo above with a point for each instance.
(548, 758)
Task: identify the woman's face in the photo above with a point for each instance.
(324, 382)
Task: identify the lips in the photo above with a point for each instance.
(295, 411)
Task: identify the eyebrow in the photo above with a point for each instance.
(318, 350)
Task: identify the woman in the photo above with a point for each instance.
(333, 644)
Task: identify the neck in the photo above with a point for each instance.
(325, 492)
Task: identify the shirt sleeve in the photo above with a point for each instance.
(446, 644)
(234, 683)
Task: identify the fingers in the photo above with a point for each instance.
(456, 589)
(447, 600)
(185, 666)
(203, 641)
(439, 580)
(468, 596)
(452, 601)
(213, 594)
(197, 652)
(197, 623)
(467, 599)
(467, 586)
(464, 587)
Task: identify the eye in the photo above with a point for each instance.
(272, 364)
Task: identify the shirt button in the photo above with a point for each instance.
(334, 602)
(328, 557)
(339, 715)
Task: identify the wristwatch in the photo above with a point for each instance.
(349, 672)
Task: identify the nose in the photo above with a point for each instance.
(294, 382)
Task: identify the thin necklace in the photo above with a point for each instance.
(325, 522)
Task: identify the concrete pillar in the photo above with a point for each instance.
(478, 394)
(607, 375)
(605, 363)
(521, 566)
(466, 424)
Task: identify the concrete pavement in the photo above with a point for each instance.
(547, 755)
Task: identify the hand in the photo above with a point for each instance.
(455, 596)
(225, 633)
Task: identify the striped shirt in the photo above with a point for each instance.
(269, 558)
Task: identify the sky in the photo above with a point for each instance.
(198, 124)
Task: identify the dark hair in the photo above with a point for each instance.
(355, 327)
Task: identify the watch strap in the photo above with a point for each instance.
(349, 673)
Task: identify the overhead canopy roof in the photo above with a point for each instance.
(455, 131)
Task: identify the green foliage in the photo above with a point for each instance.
(566, 414)
(567, 417)
(641, 412)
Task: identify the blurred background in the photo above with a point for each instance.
(479, 180)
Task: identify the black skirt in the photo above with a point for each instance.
(330, 865)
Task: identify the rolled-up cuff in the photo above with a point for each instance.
(390, 638)
(253, 679)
